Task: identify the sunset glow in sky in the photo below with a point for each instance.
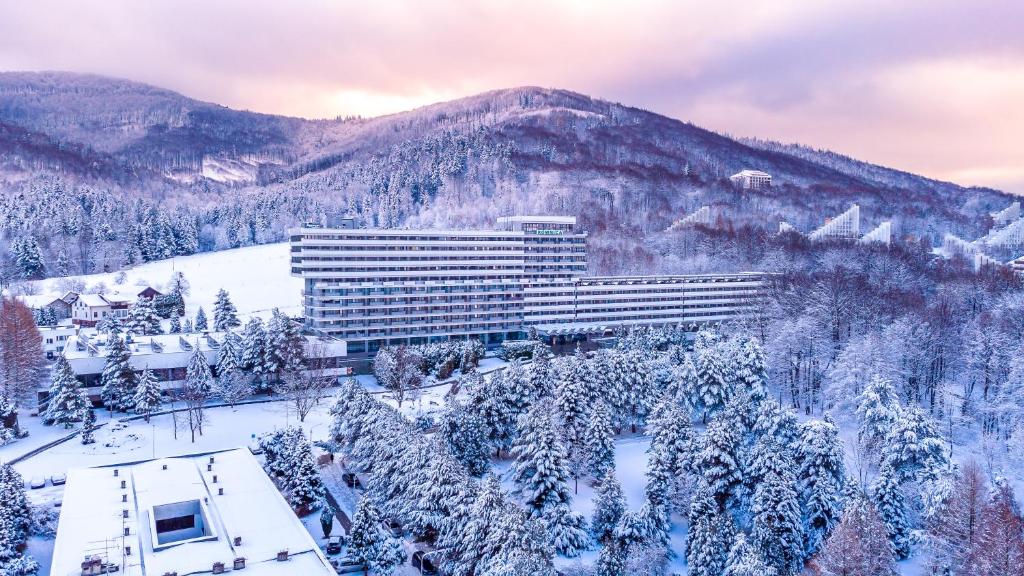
(930, 86)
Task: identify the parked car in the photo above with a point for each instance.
(37, 482)
(351, 480)
(425, 565)
(334, 545)
(58, 479)
(348, 565)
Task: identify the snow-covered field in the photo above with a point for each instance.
(258, 279)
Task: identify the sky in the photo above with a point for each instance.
(929, 86)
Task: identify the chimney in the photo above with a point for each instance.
(115, 472)
(282, 556)
(164, 467)
(239, 563)
(124, 484)
(214, 478)
(124, 513)
(238, 541)
(220, 491)
(218, 567)
(124, 497)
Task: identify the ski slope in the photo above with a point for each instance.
(257, 278)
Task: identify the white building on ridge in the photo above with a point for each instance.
(204, 514)
(1007, 215)
(881, 234)
(846, 226)
(752, 179)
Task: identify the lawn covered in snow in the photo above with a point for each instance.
(258, 278)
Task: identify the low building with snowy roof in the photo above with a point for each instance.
(196, 514)
(90, 309)
(168, 355)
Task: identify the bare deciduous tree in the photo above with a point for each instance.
(307, 383)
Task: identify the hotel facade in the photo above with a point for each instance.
(374, 287)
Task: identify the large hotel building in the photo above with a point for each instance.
(375, 287)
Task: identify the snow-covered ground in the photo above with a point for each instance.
(258, 279)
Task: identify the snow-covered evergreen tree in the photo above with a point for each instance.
(751, 370)
(878, 408)
(225, 315)
(914, 448)
(776, 528)
(820, 479)
(745, 560)
(541, 476)
(611, 561)
(67, 402)
(715, 381)
(609, 507)
(147, 395)
(719, 457)
(465, 433)
(143, 318)
(540, 470)
(709, 535)
(88, 426)
(437, 492)
(889, 503)
(118, 378)
(27, 257)
(253, 346)
(201, 324)
(15, 522)
(175, 325)
(600, 441)
(304, 487)
(367, 542)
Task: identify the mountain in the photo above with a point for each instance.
(458, 163)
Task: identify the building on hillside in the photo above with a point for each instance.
(55, 338)
(51, 307)
(1017, 265)
(197, 514)
(1010, 236)
(90, 309)
(376, 288)
(881, 234)
(168, 355)
(846, 226)
(1006, 215)
(700, 216)
(752, 179)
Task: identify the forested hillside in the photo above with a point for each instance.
(97, 174)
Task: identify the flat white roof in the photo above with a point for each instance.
(92, 521)
(539, 219)
(751, 173)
